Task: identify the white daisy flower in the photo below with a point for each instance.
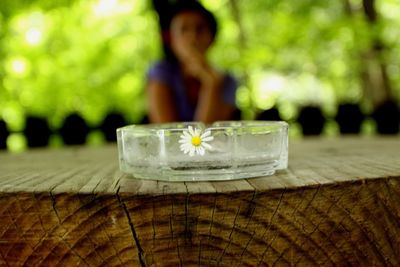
(194, 142)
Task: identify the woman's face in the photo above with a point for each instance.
(190, 31)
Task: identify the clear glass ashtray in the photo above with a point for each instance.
(197, 152)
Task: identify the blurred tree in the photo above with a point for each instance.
(88, 57)
(374, 78)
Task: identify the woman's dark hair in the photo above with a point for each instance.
(195, 6)
(176, 8)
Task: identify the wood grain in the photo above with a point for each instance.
(337, 204)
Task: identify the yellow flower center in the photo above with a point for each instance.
(196, 140)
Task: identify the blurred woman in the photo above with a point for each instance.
(184, 86)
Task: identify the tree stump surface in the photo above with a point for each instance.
(338, 203)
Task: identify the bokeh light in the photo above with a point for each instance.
(33, 36)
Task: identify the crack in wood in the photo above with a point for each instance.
(328, 258)
(295, 211)
(116, 186)
(133, 231)
(376, 247)
(172, 227)
(307, 233)
(112, 245)
(188, 228)
(45, 231)
(71, 249)
(230, 236)
(382, 205)
(340, 224)
(153, 226)
(54, 204)
(250, 217)
(269, 227)
(95, 248)
(245, 249)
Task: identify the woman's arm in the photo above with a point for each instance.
(162, 107)
(211, 106)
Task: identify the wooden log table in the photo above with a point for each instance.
(337, 204)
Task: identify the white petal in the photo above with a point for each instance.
(206, 146)
(200, 150)
(186, 137)
(197, 132)
(183, 146)
(184, 141)
(206, 139)
(186, 148)
(205, 134)
(191, 130)
(187, 134)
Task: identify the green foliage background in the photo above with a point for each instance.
(91, 56)
(87, 57)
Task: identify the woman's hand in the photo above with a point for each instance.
(194, 63)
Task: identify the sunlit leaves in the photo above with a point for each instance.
(76, 58)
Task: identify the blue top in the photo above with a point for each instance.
(169, 73)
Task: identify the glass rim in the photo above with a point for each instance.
(218, 125)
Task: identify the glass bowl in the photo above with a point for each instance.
(194, 151)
